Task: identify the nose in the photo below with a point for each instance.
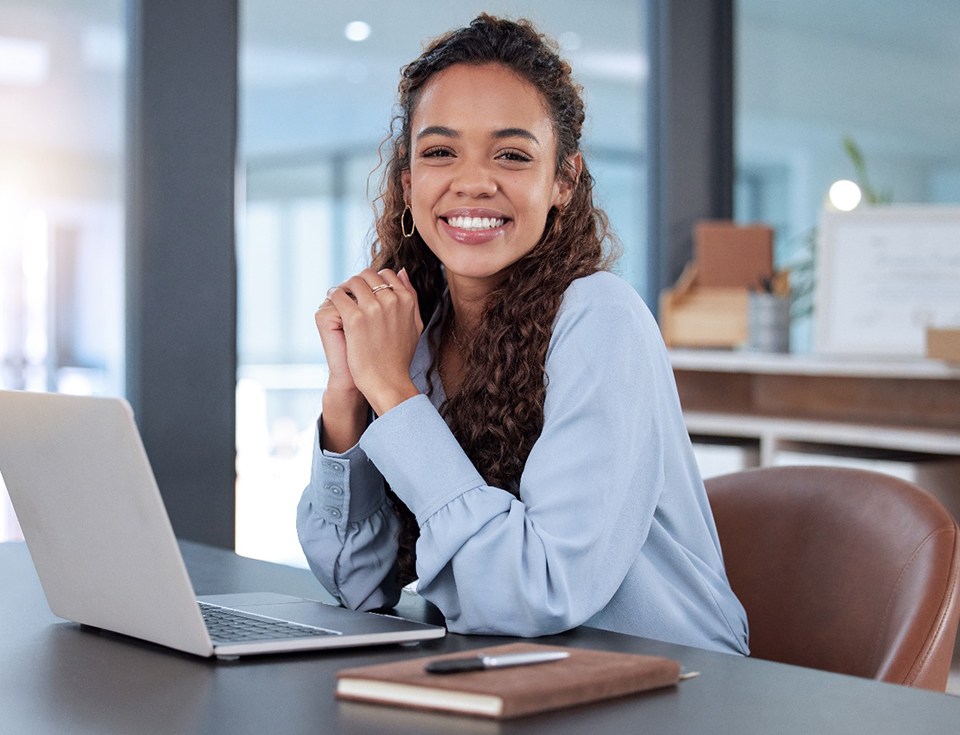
(474, 180)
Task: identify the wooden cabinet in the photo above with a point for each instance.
(897, 416)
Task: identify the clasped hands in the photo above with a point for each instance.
(369, 326)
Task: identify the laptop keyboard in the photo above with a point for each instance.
(233, 626)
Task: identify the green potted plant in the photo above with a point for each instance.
(802, 265)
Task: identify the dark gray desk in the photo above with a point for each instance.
(57, 678)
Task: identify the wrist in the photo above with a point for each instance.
(345, 416)
(388, 397)
(345, 397)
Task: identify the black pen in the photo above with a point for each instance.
(482, 661)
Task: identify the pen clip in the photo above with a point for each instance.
(455, 665)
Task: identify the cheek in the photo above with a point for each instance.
(422, 211)
(421, 191)
(548, 196)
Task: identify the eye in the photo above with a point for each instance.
(514, 156)
(437, 152)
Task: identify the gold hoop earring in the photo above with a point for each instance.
(403, 224)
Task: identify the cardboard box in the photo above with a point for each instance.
(943, 344)
(729, 255)
(692, 315)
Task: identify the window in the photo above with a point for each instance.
(61, 201)
(810, 74)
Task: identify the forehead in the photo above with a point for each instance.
(469, 97)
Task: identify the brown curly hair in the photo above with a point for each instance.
(497, 414)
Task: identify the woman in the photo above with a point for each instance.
(523, 455)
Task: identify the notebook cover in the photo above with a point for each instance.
(586, 676)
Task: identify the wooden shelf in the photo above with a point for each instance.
(772, 433)
(917, 394)
(739, 361)
(777, 401)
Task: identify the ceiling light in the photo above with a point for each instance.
(844, 195)
(357, 30)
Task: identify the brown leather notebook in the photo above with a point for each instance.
(501, 693)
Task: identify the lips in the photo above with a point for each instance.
(474, 225)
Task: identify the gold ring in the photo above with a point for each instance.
(381, 287)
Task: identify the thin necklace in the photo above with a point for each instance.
(455, 336)
(451, 332)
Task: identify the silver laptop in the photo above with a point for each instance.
(100, 538)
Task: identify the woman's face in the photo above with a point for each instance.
(482, 172)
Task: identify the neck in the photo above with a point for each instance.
(467, 308)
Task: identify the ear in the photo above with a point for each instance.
(567, 180)
(405, 182)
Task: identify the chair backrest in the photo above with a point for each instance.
(841, 569)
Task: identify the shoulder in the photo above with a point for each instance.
(605, 342)
(607, 298)
(601, 283)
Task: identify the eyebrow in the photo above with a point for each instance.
(446, 132)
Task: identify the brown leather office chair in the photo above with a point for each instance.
(842, 569)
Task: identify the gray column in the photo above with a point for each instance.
(181, 287)
(690, 126)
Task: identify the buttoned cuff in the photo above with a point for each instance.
(347, 487)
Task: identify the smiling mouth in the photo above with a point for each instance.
(476, 223)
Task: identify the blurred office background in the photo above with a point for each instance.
(316, 89)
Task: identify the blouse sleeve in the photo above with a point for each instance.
(348, 529)
(550, 560)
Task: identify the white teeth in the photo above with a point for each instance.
(476, 223)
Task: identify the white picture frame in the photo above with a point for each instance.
(883, 275)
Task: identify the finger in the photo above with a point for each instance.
(326, 303)
(342, 297)
(363, 283)
(372, 278)
(368, 284)
(402, 286)
(327, 316)
(357, 285)
(391, 279)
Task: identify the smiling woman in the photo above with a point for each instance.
(314, 109)
(483, 429)
(481, 186)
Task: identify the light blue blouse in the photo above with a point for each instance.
(612, 528)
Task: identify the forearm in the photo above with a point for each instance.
(345, 416)
(389, 395)
(490, 562)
